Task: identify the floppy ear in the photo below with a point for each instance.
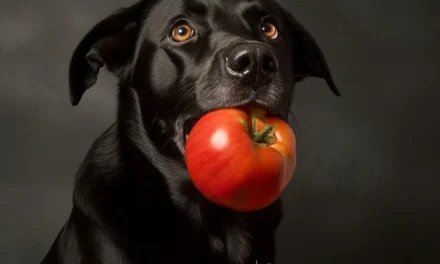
(308, 59)
(109, 43)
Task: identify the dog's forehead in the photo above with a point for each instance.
(165, 10)
(208, 5)
(225, 5)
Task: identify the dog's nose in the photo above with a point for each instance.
(254, 64)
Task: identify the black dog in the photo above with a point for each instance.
(133, 201)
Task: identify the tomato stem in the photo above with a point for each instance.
(264, 136)
(254, 127)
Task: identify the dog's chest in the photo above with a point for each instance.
(233, 247)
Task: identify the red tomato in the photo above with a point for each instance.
(241, 159)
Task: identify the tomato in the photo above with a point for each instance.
(241, 159)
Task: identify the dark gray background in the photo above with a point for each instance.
(367, 184)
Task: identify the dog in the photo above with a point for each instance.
(176, 60)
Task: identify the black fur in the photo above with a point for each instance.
(133, 201)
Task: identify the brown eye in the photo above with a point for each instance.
(182, 33)
(270, 31)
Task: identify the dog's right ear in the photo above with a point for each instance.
(110, 43)
(309, 61)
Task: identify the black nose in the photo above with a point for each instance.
(254, 64)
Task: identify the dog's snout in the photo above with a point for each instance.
(254, 64)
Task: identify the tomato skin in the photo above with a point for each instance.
(230, 169)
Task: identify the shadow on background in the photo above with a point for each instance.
(367, 185)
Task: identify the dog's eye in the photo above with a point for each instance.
(182, 32)
(269, 30)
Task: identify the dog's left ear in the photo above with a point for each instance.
(308, 59)
(110, 43)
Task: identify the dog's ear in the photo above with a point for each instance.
(110, 43)
(308, 59)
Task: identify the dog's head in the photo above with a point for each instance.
(184, 58)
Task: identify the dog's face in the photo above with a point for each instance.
(184, 58)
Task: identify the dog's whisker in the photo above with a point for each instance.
(166, 143)
(187, 93)
(302, 108)
(302, 75)
(296, 126)
(189, 105)
(154, 121)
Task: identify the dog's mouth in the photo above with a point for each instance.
(188, 126)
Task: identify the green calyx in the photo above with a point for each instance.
(264, 137)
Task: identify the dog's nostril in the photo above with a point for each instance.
(239, 64)
(268, 65)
